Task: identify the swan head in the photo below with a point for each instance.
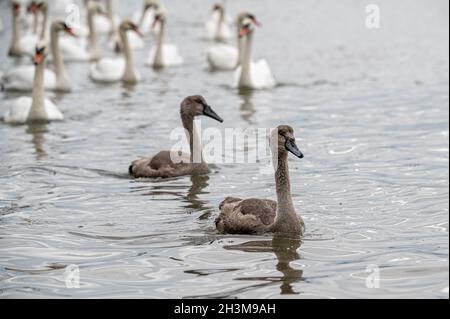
(218, 7)
(15, 5)
(128, 25)
(61, 26)
(246, 23)
(151, 5)
(94, 8)
(34, 7)
(160, 18)
(282, 140)
(196, 105)
(40, 53)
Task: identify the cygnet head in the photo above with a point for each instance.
(246, 23)
(282, 140)
(196, 105)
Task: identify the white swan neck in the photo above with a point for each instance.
(247, 44)
(220, 22)
(130, 72)
(109, 10)
(44, 24)
(93, 45)
(58, 62)
(35, 23)
(15, 40)
(285, 208)
(143, 15)
(159, 54)
(37, 111)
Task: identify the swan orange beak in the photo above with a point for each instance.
(136, 29)
(38, 58)
(256, 22)
(16, 9)
(70, 32)
(155, 22)
(244, 31)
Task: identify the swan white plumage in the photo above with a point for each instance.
(223, 57)
(85, 47)
(217, 27)
(22, 78)
(14, 49)
(135, 41)
(39, 10)
(23, 44)
(109, 70)
(252, 75)
(93, 10)
(36, 108)
(74, 50)
(104, 24)
(162, 54)
(226, 57)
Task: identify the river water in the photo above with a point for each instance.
(370, 112)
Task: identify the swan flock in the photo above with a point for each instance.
(39, 31)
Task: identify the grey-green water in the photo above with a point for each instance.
(370, 109)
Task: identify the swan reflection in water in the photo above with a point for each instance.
(247, 107)
(191, 200)
(285, 250)
(38, 131)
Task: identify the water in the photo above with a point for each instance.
(370, 109)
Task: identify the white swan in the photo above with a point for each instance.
(14, 48)
(28, 42)
(104, 24)
(109, 70)
(21, 44)
(162, 54)
(74, 49)
(93, 10)
(36, 108)
(226, 57)
(22, 78)
(252, 75)
(144, 18)
(85, 47)
(217, 27)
